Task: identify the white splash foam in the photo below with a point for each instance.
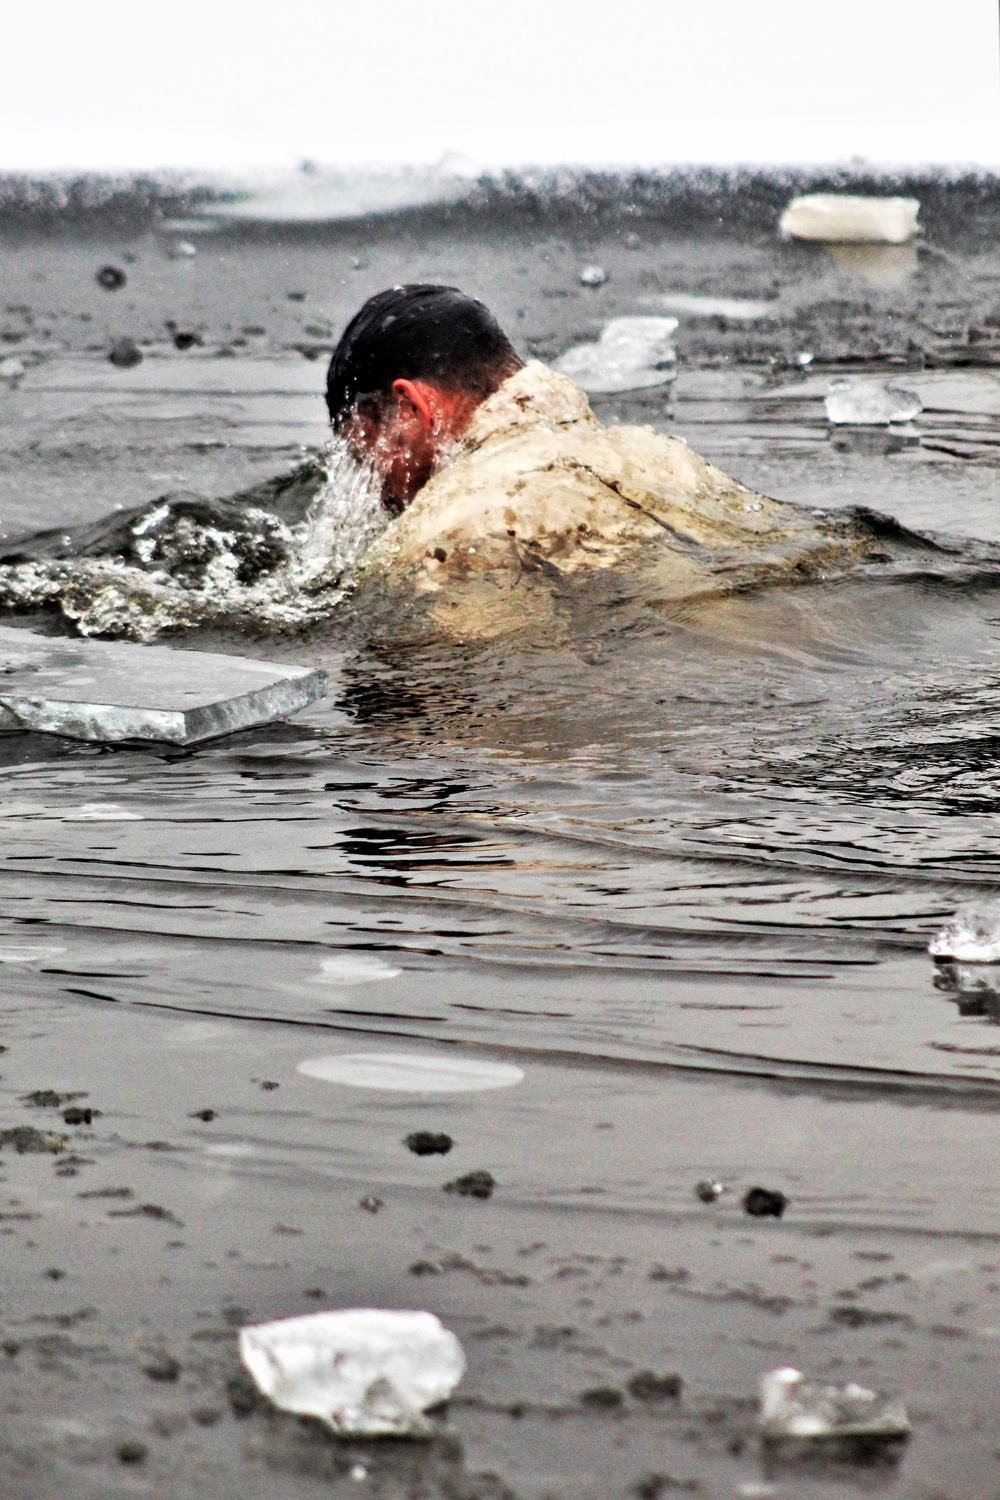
(106, 597)
(972, 935)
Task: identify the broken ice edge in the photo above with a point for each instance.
(115, 723)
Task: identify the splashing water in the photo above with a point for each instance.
(343, 521)
(186, 562)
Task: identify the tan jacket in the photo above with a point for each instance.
(538, 496)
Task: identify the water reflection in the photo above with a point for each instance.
(975, 988)
(879, 265)
(878, 441)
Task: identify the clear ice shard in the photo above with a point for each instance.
(845, 218)
(870, 403)
(115, 690)
(792, 1407)
(363, 1371)
(631, 354)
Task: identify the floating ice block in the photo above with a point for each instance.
(972, 935)
(631, 354)
(870, 403)
(115, 690)
(792, 1407)
(841, 218)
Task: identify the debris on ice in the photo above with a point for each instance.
(792, 1407)
(709, 1191)
(844, 218)
(111, 278)
(972, 936)
(631, 354)
(125, 354)
(362, 1371)
(870, 403)
(478, 1184)
(765, 1203)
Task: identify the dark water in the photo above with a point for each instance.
(682, 871)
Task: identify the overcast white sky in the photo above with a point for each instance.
(236, 83)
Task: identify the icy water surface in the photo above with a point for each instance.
(673, 881)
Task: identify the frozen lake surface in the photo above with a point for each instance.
(675, 880)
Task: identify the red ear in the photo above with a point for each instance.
(413, 392)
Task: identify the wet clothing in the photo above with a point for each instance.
(539, 494)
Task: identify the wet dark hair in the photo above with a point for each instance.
(417, 332)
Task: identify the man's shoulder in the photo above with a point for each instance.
(533, 397)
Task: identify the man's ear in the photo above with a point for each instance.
(412, 393)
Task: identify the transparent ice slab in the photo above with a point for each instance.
(116, 690)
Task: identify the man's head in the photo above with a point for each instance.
(407, 375)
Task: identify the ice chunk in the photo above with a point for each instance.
(116, 690)
(593, 276)
(364, 1372)
(12, 368)
(845, 218)
(972, 936)
(870, 403)
(792, 1407)
(631, 354)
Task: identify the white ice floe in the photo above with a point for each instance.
(793, 1407)
(593, 276)
(411, 1072)
(870, 403)
(631, 354)
(846, 218)
(354, 968)
(972, 936)
(362, 1371)
(101, 812)
(691, 305)
(28, 953)
(84, 812)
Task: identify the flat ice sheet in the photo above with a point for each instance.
(115, 690)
